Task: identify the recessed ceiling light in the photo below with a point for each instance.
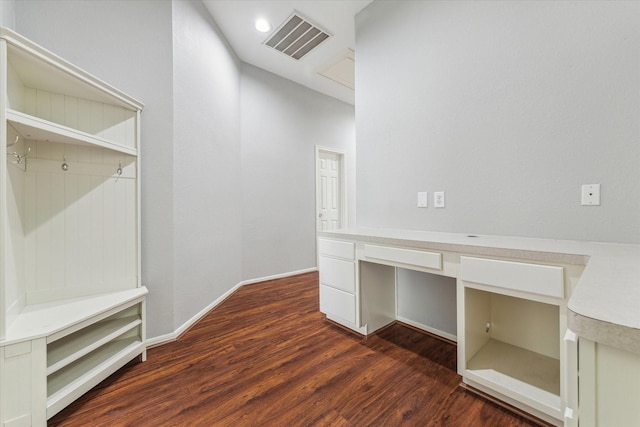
(262, 25)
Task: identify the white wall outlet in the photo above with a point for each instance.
(591, 195)
(438, 199)
(422, 199)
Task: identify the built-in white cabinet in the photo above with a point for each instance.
(358, 282)
(511, 327)
(510, 314)
(338, 281)
(72, 307)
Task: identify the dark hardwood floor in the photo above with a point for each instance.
(267, 357)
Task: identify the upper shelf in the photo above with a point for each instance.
(41, 69)
(35, 128)
(50, 99)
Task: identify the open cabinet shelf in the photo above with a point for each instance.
(511, 331)
(66, 379)
(512, 345)
(67, 350)
(71, 382)
(72, 306)
(37, 129)
(523, 372)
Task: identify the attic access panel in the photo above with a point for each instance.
(296, 37)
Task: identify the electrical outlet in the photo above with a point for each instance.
(438, 199)
(422, 199)
(591, 195)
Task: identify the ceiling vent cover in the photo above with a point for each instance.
(296, 37)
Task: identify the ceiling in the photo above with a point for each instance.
(236, 19)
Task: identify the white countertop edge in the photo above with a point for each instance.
(611, 334)
(605, 304)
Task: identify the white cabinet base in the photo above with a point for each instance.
(359, 329)
(59, 351)
(23, 391)
(338, 303)
(609, 386)
(511, 404)
(377, 295)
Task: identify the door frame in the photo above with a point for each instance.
(344, 220)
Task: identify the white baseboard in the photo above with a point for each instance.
(429, 329)
(278, 276)
(166, 338)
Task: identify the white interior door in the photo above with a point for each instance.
(329, 190)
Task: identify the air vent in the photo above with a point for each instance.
(296, 37)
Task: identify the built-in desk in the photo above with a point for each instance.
(521, 306)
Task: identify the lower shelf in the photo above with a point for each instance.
(67, 350)
(70, 382)
(514, 371)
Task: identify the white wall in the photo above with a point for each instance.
(427, 301)
(7, 15)
(129, 45)
(508, 107)
(206, 169)
(282, 122)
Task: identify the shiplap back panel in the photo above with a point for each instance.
(106, 121)
(14, 274)
(80, 229)
(15, 90)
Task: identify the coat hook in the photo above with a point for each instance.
(119, 170)
(14, 142)
(65, 166)
(20, 157)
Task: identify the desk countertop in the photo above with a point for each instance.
(605, 304)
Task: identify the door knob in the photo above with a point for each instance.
(320, 215)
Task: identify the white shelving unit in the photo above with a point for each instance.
(71, 299)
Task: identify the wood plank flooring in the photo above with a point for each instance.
(267, 357)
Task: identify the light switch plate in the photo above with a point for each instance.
(438, 199)
(591, 195)
(422, 199)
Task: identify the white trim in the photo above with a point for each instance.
(429, 329)
(277, 276)
(173, 336)
(4, 322)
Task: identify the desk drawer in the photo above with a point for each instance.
(534, 278)
(338, 303)
(404, 256)
(338, 274)
(336, 248)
